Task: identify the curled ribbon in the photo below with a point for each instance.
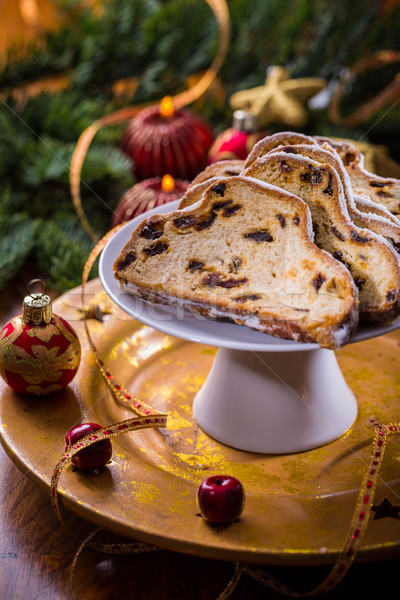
(221, 13)
(389, 94)
(121, 394)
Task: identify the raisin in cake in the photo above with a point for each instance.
(246, 253)
(372, 262)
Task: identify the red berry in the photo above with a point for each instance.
(93, 457)
(220, 499)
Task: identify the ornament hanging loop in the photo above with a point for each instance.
(36, 295)
(37, 308)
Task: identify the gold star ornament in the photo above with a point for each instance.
(280, 99)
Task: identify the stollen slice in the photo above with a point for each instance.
(327, 154)
(381, 190)
(282, 138)
(245, 253)
(371, 260)
(366, 205)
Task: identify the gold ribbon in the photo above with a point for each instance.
(391, 93)
(121, 394)
(221, 13)
(358, 526)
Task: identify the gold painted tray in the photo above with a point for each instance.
(298, 507)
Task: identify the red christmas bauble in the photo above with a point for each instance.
(38, 355)
(162, 140)
(146, 195)
(233, 144)
(237, 141)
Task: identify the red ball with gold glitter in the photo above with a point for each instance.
(163, 140)
(39, 352)
(237, 141)
(146, 195)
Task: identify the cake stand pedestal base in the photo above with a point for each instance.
(275, 402)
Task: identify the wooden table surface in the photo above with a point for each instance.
(36, 552)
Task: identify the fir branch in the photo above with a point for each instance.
(17, 233)
(61, 250)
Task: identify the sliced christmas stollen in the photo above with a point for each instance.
(372, 262)
(381, 190)
(327, 154)
(283, 138)
(235, 167)
(366, 205)
(367, 202)
(246, 253)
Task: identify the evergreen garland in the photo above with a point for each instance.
(160, 44)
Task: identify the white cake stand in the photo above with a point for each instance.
(263, 394)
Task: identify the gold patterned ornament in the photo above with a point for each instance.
(39, 352)
(280, 100)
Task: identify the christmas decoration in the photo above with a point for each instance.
(94, 456)
(237, 141)
(386, 509)
(39, 351)
(280, 100)
(146, 195)
(220, 499)
(163, 140)
(98, 308)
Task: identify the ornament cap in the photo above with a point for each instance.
(37, 307)
(244, 121)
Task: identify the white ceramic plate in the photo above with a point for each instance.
(183, 324)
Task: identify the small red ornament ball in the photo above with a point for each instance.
(233, 144)
(237, 141)
(39, 352)
(146, 195)
(163, 140)
(221, 499)
(94, 456)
